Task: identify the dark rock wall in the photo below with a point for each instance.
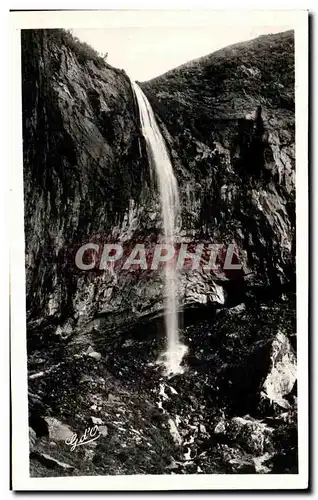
(229, 121)
(85, 169)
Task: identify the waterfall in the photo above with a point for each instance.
(169, 200)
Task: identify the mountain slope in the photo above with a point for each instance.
(229, 121)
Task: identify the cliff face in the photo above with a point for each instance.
(94, 336)
(229, 123)
(229, 120)
(84, 169)
(87, 179)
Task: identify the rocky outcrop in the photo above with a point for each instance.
(282, 372)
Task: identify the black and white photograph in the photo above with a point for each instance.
(162, 329)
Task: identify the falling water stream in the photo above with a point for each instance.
(169, 200)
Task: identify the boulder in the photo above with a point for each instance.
(50, 461)
(95, 355)
(253, 435)
(282, 372)
(97, 421)
(57, 430)
(103, 430)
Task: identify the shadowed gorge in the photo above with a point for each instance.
(94, 336)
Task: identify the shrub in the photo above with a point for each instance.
(82, 50)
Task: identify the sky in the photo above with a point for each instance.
(146, 52)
